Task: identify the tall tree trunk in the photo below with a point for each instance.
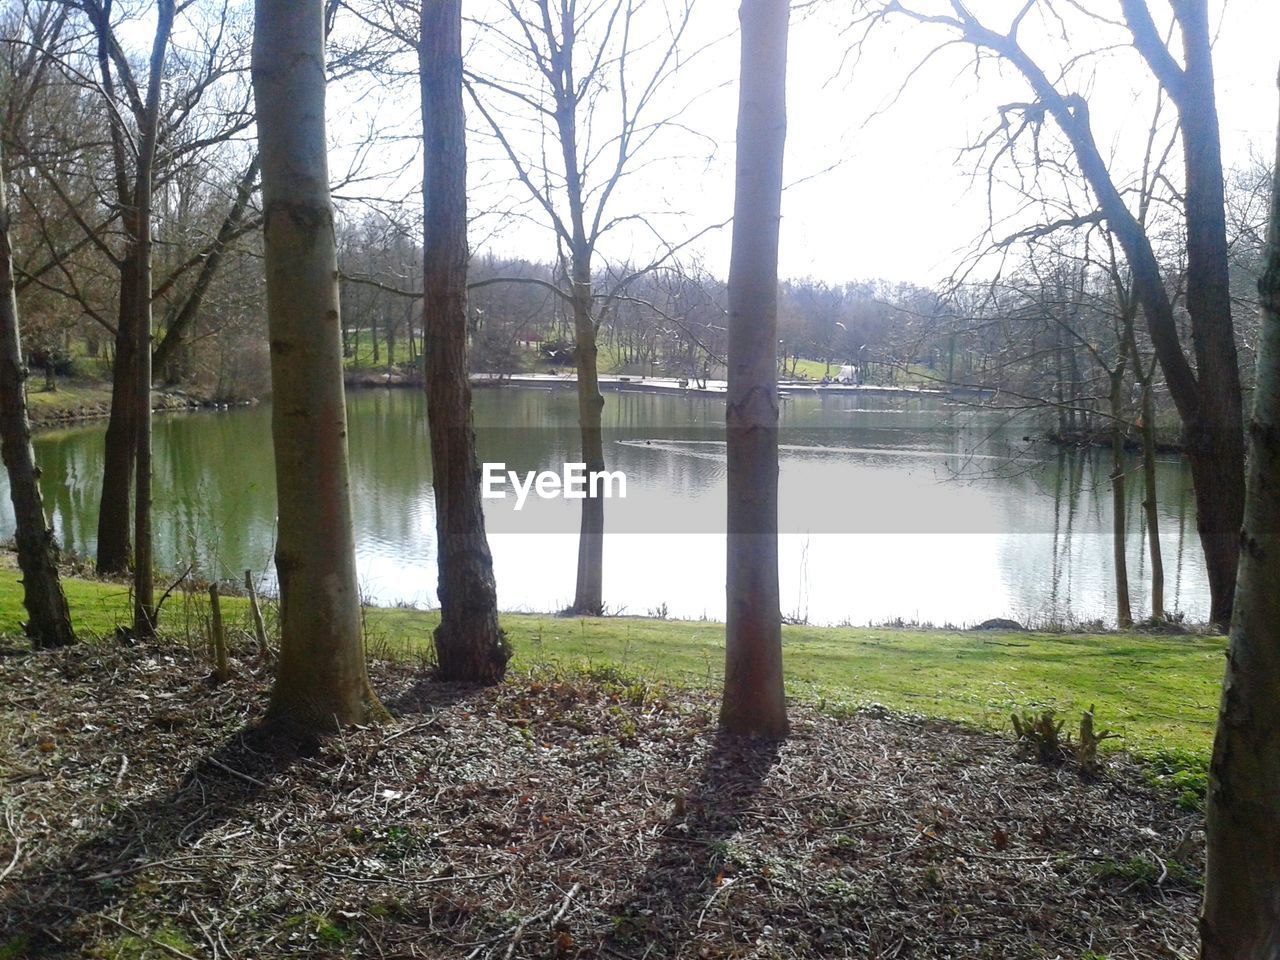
(754, 702)
(1216, 436)
(470, 646)
(1150, 503)
(588, 595)
(1241, 919)
(1124, 612)
(48, 619)
(144, 601)
(114, 550)
(322, 679)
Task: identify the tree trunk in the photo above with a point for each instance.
(48, 619)
(754, 702)
(1241, 919)
(588, 595)
(322, 680)
(1150, 503)
(470, 646)
(114, 550)
(1124, 613)
(1217, 434)
(144, 601)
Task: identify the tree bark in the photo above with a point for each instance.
(588, 597)
(754, 701)
(470, 646)
(322, 680)
(114, 540)
(1120, 561)
(48, 618)
(1241, 919)
(144, 601)
(1150, 503)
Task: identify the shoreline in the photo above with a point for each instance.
(77, 402)
(368, 379)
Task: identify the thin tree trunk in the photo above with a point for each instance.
(470, 646)
(259, 626)
(1241, 919)
(1124, 612)
(48, 619)
(1150, 502)
(144, 602)
(114, 551)
(322, 680)
(588, 595)
(754, 701)
(218, 638)
(588, 598)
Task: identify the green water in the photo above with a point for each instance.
(891, 507)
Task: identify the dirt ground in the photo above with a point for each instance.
(591, 815)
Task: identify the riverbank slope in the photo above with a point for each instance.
(81, 401)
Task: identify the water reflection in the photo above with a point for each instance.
(891, 508)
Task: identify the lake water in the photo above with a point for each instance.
(892, 507)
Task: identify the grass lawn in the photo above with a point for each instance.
(72, 398)
(1160, 693)
(813, 369)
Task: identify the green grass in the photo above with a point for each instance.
(1160, 693)
(362, 350)
(72, 398)
(813, 369)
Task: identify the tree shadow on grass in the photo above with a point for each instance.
(685, 875)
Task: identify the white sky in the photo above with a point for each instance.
(899, 202)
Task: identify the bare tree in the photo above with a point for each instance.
(144, 605)
(582, 56)
(470, 646)
(146, 120)
(1205, 387)
(48, 618)
(1241, 919)
(133, 153)
(322, 680)
(754, 702)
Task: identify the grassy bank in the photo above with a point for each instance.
(1159, 692)
(76, 400)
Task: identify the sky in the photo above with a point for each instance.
(878, 186)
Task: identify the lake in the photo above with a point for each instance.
(893, 508)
